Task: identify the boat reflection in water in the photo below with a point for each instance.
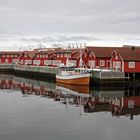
(120, 102)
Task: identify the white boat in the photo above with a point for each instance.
(73, 77)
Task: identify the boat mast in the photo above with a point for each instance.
(81, 62)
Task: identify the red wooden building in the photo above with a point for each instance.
(25, 58)
(99, 57)
(9, 57)
(126, 59)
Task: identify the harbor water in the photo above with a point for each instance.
(40, 110)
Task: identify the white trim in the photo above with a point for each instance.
(120, 58)
(131, 64)
(102, 62)
(93, 53)
(108, 62)
(91, 63)
(114, 51)
(122, 63)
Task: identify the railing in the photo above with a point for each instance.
(40, 69)
(7, 66)
(113, 74)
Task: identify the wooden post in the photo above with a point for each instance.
(128, 77)
(133, 76)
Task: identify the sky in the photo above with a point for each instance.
(25, 24)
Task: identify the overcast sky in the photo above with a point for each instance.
(96, 22)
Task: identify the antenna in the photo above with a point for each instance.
(77, 45)
(68, 46)
(80, 45)
(85, 44)
(73, 45)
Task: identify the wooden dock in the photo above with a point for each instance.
(105, 74)
(6, 67)
(99, 77)
(36, 72)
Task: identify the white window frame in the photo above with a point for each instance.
(62, 55)
(65, 55)
(118, 64)
(91, 54)
(36, 62)
(91, 63)
(15, 60)
(102, 62)
(28, 61)
(15, 55)
(57, 55)
(6, 60)
(116, 57)
(47, 62)
(131, 65)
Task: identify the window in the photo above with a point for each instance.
(91, 54)
(47, 62)
(37, 55)
(117, 64)
(116, 57)
(102, 63)
(15, 61)
(6, 60)
(73, 62)
(56, 62)
(36, 62)
(43, 55)
(57, 55)
(69, 55)
(65, 55)
(91, 63)
(15, 55)
(28, 61)
(114, 64)
(61, 54)
(131, 64)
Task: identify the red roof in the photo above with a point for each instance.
(52, 56)
(129, 53)
(102, 52)
(31, 54)
(8, 52)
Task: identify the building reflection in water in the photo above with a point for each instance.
(119, 101)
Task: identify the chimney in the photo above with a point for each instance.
(132, 48)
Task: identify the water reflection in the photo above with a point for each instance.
(124, 101)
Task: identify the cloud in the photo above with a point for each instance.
(26, 19)
(59, 39)
(86, 16)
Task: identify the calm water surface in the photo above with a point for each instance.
(36, 110)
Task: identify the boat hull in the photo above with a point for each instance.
(75, 88)
(73, 79)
